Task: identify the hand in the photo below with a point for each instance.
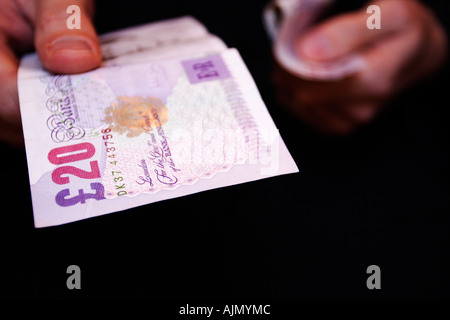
(409, 46)
(24, 23)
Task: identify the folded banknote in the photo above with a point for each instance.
(143, 128)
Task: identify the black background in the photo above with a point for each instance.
(379, 196)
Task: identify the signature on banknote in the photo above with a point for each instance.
(160, 155)
(146, 178)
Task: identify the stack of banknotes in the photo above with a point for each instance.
(172, 111)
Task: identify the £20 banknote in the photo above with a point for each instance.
(129, 134)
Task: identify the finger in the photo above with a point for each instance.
(330, 122)
(10, 128)
(347, 33)
(356, 113)
(329, 93)
(320, 118)
(64, 50)
(9, 106)
(388, 64)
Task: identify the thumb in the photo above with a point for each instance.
(64, 50)
(340, 36)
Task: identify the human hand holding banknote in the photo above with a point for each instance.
(154, 122)
(337, 75)
(25, 24)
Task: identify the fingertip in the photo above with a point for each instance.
(314, 46)
(70, 54)
(61, 48)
